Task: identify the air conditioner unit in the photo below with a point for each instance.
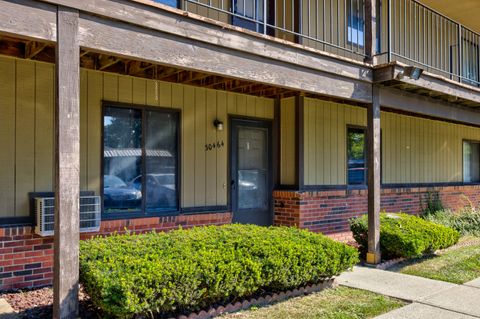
(90, 209)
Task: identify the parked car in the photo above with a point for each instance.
(117, 194)
(160, 190)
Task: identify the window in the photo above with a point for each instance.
(471, 162)
(356, 23)
(171, 3)
(140, 161)
(248, 14)
(356, 156)
(471, 64)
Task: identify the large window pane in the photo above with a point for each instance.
(471, 162)
(122, 159)
(356, 156)
(161, 161)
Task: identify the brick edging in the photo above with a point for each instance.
(261, 301)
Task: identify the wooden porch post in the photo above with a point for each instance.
(67, 166)
(373, 159)
(370, 30)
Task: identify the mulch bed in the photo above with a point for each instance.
(38, 303)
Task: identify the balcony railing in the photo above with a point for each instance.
(331, 25)
(420, 36)
(407, 31)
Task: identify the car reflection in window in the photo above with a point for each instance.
(160, 190)
(117, 194)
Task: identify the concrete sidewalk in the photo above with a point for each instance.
(430, 298)
(6, 311)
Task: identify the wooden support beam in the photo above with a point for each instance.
(67, 166)
(128, 42)
(28, 19)
(105, 62)
(373, 159)
(370, 30)
(414, 103)
(33, 48)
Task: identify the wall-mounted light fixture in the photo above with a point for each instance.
(218, 125)
(411, 72)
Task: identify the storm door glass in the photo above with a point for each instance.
(161, 161)
(122, 144)
(252, 168)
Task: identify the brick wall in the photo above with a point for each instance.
(26, 259)
(328, 211)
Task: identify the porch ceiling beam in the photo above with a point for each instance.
(414, 103)
(28, 19)
(128, 41)
(179, 23)
(33, 48)
(428, 81)
(67, 166)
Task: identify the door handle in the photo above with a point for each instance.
(232, 184)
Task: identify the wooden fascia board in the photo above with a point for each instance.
(205, 30)
(28, 19)
(427, 81)
(130, 41)
(417, 104)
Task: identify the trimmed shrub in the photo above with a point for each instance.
(403, 235)
(187, 270)
(466, 221)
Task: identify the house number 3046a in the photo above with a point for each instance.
(212, 146)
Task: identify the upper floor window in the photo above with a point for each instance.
(172, 3)
(471, 65)
(471, 162)
(248, 14)
(356, 156)
(356, 23)
(140, 161)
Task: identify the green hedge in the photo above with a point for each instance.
(188, 270)
(403, 235)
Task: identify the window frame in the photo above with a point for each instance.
(142, 212)
(463, 161)
(350, 25)
(365, 185)
(470, 63)
(365, 165)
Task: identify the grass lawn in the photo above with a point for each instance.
(340, 302)
(457, 265)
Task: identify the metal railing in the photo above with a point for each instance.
(420, 36)
(331, 25)
(408, 31)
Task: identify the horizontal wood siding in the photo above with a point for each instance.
(26, 130)
(414, 150)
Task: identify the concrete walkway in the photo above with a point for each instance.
(6, 311)
(429, 298)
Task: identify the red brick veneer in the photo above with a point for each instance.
(26, 259)
(328, 211)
